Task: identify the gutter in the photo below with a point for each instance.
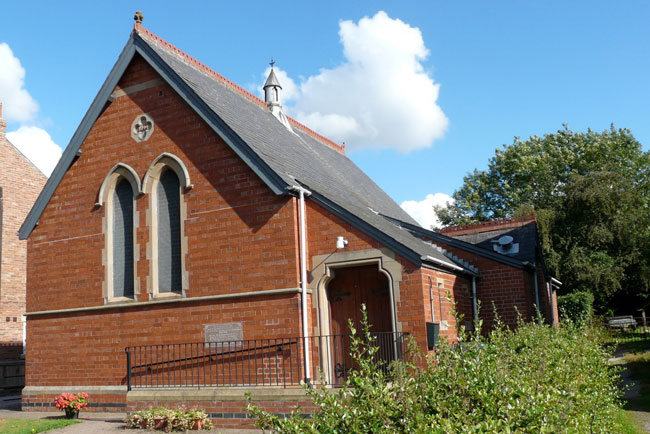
(302, 192)
(448, 265)
(433, 318)
(442, 263)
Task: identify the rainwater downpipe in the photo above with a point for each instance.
(302, 192)
(474, 301)
(549, 288)
(433, 318)
(539, 309)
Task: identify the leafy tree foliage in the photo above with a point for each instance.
(576, 307)
(590, 193)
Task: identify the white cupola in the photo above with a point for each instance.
(272, 90)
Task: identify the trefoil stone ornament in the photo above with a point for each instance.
(142, 128)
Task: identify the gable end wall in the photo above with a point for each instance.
(240, 234)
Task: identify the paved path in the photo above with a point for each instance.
(95, 426)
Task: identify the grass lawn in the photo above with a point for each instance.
(629, 424)
(632, 341)
(29, 426)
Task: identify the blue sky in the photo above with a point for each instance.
(500, 69)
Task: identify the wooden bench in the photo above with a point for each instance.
(621, 322)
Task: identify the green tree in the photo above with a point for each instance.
(591, 196)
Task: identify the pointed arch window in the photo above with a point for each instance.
(118, 192)
(169, 232)
(166, 182)
(123, 252)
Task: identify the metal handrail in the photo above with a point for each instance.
(251, 362)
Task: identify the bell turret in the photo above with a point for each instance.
(272, 91)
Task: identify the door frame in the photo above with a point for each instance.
(324, 270)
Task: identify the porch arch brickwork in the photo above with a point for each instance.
(325, 269)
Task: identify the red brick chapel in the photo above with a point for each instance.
(194, 243)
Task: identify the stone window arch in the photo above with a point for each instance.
(118, 194)
(166, 182)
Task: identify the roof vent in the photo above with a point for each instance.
(272, 91)
(505, 245)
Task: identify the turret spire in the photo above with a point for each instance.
(272, 91)
(272, 88)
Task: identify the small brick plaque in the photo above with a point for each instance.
(224, 332)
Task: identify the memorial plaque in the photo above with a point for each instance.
(224, 332)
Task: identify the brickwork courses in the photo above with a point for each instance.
(20, 183)
(502, 287)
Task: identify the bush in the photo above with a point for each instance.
(576, 307)
(529, 380)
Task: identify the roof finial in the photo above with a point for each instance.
(138, 17)
(272, 62)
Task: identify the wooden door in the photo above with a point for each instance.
(351, 288)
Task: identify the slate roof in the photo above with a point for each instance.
(437, 237)
(525, 235)
(281, 157)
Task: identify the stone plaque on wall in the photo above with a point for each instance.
(224, 332)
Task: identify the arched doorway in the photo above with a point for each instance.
(346, 292)
(352, 287)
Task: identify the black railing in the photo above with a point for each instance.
(254, 362)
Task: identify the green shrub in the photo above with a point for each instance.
(576, 307)
(166, 419)
(534, 379)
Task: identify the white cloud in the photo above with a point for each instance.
(17, 103)
(379, 97)
(19, 106)
(37, 145)
(422, 211)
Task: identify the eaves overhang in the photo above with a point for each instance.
(72, 150)
(134, 45)
(366, 228)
